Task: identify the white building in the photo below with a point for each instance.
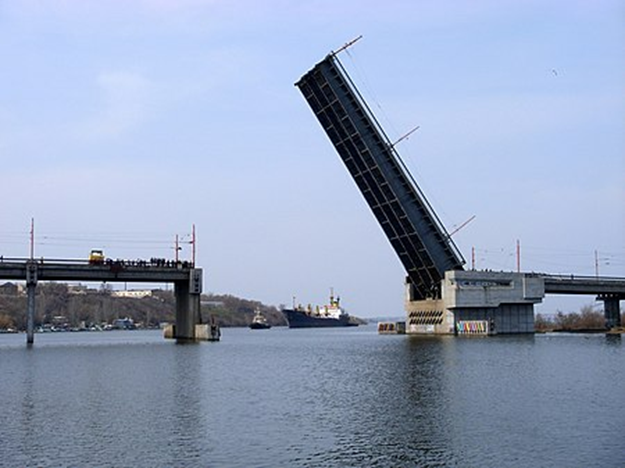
(133, 293)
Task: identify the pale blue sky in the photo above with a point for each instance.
(122, 123)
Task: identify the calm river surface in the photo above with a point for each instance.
(328, 398)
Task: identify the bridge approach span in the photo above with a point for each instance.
(584, 285)
(186, 278)
(82, 270)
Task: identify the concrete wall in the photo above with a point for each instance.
(429, 317)
(505, 319)
(462, 289)
(504, 299)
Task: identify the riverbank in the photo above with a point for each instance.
(612, 331)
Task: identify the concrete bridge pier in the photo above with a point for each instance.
(31, 285)
(611, 310)
(187, 294)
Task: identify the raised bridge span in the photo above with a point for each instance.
(416, 234)
(440, 294)
(187, 281)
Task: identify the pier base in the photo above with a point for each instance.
(203, 332)
(501, 320)
(188, 295)
(30, 317)
(187, 312)
(612, 311)
(472, 301)
(31, 290)
(429, 317)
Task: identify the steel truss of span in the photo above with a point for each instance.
(413, 229)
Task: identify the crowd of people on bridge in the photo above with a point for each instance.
(153, 262)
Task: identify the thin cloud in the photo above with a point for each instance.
(128, 99)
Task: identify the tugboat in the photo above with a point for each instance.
(259, 322)
(331, 315)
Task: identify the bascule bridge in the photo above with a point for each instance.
(440, 295)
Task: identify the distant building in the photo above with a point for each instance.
(77, 289)
(133, 293)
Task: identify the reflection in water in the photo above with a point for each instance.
(428, 408)
(387, 404)
(615, 339)
(335, 398)
(27, 415)
(188, 438)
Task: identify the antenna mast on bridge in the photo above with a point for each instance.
(32, 238)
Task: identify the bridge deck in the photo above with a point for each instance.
(571, 284)
(82, 270)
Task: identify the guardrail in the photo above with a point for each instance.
(580, 277)
(74, 261)
(140, 263)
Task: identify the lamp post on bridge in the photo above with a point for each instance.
(177, 249)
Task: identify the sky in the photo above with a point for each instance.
(125, 123)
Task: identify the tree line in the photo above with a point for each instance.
(57, 302)
(60, 303)
(587, 319)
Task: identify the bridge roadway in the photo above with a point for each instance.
(155, 271)
(574, 284)
(186, 278)
(608, 290)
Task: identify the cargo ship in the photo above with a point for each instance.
(331, 315)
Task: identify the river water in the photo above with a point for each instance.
(328, 398)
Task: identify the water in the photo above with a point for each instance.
(331, 398)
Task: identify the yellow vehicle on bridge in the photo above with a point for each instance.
(96, 257)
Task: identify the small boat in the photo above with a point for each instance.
(259, 322)
(392, 328)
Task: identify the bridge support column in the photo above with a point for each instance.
(31, 285)
(30, 324)
(185, 323)
(187, 295)
(611, 310)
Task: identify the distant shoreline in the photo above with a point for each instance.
(613, 331)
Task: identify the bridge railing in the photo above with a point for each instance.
(138, 263)
(579, 277)
(72, 261)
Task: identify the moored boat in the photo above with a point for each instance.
(392, 328)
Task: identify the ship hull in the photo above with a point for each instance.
(300, 319)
